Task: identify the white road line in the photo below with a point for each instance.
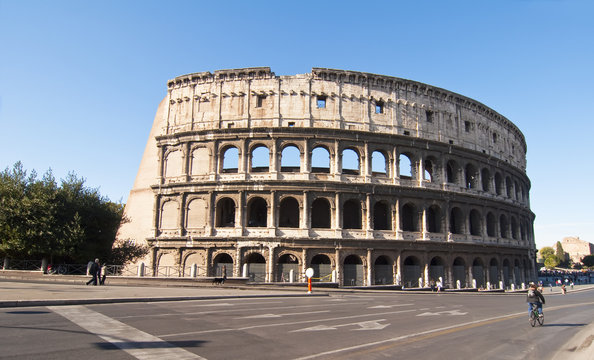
(137, 343)
(269, 315)
(283, 324)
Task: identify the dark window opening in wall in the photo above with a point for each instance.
(486, 180)
(475, 223)
(429, 115)
(406, 132)
(404, 167)
(225, 213)
(320, 160)
(230, 160)
(321, 101)
(517, 188)
(291, 123)
(351, 215)
(322, 267)
(467, 126)
(256, 265)
(257, 212)
(378, 163)
(223, 265)
(491, 224)
(379, 107)
(451, 142)
(494, 137)
(409, 218)
(285, 264)
(291, 159)
(260, 100)
(503, 227)
(434, 219)
(381, 216)
(289, 213)
(260, 159)
(452, 172)
(230, 125)
(509, 187)
(456, 221)
(320, 214)
(350, 162)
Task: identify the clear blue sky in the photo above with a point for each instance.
(80, 81)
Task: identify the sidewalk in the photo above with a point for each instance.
(19, 293)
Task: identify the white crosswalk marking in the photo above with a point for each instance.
(137, 343)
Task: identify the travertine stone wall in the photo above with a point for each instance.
(460, 212)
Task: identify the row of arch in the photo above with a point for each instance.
(351, 161)
(353, 214)
(356, 270)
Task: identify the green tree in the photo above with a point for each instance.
(588, 260)
(551, 262)
(546, 251)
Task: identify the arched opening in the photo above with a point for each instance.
(383, 271)
(225, 213)
(289, 213)
(379, 165)
(322, 268)
(509, 187)
(491, 224)
(456, 221)
(434, 219)
(459, 273)
(351, 215)
(494, 273)
(196, 214)
(381, 216)
(507, 274)
(471, 177)
(405, 170)
(452, 172)
(475, 223)
(478, 272)
(429, 171)
(260, 159)
(320, 160)
(173, 164)
(353, 271)
(486, 179)
(409, 220)
(498, 184)
(223, 265)
(230, 160)
(350, 162)
(257, 212)
(412, 272)
(286, 264)
(437, 270)
(169, 216)
(200, 161)
(291, 159)
(503, 227)
(514, 228)
(320, 213)
(256, 267)
(517, 271)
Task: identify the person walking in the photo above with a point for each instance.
(94, 271)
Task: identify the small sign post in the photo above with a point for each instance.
(309, 273)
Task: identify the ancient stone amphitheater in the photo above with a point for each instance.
(367, 179)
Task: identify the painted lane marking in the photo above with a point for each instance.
(388, 306)
(363, 325)
(137, 343)
(284, 324)
(449, 312)
(268, 316)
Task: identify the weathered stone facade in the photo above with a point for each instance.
(368, 179)
(577, 248)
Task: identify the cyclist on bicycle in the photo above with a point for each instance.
(534, 297)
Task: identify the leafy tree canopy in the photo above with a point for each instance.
(588, 260)
(546, 251)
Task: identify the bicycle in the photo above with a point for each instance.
(535, 316)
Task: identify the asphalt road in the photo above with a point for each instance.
(387, 325)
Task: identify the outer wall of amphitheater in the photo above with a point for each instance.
(367, 179)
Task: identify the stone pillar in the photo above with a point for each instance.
(305, 213)
(337, 212)
(424, 232)
(305, 158)
(398, 265)
(270, 272)
(368, 219)
(338, 266)
(240, 214)
(272, 224)
(369, 268)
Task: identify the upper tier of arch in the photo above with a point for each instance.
(340, 99)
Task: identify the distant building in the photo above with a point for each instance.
(576, 248)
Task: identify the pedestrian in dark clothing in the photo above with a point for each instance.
(95, 272)
(534, 297)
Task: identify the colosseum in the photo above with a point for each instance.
(368, 179)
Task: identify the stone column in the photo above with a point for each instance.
(368, 219)
(239, 216)
(305, 158)
(337, 213)
(338, 267)
(270, 272)
(272, 224)
(305, 213)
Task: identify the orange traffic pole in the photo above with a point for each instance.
(309, 285)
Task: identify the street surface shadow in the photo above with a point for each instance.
(149, 344)
(566, 325)
(27, 312)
